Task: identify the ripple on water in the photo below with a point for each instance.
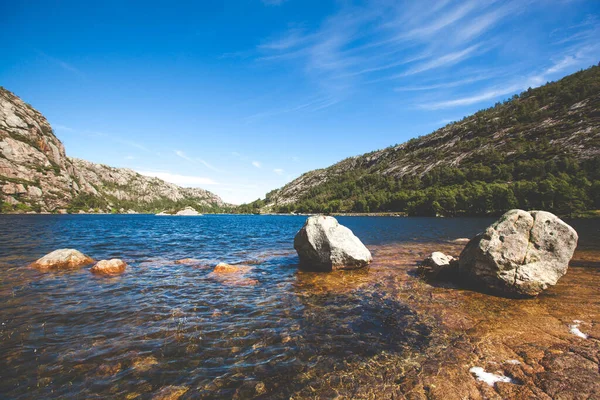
(171, 328)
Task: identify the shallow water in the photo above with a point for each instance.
(273, 334)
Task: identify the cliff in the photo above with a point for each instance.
(37, 175)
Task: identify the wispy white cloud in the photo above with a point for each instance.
(181, 180)
(279, 171)
(445, 60)
(461, 82)
(257, 164)
(196, 160)
(477, 98)
(579, 57)
(181, 154)
(63, 64)
(378, 41)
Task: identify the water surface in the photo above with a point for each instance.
(273, 334)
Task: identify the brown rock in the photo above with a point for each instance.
(234, 275)
(62, 259)
(223, 268)
(109, 267)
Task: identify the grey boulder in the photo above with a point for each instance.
(323, 244)
(521, 254)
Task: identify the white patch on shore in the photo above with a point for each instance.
(575, 329)
(515, 362)
(488, 377)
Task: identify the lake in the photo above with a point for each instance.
(171, 328)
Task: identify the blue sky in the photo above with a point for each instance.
(240, 97)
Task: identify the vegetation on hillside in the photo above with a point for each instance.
(537, 150)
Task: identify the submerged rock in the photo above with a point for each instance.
(187, 261)
(323, 244)
(521, 254)
(439, 266)
(62, 259)
(233, 275)
(170, 393)
(109, 267)
(224, 268)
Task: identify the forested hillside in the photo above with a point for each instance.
(537, 150)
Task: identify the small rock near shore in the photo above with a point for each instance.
(62, 259)
(324, 245)
(188, 212)
(109, 267)
(521, 254)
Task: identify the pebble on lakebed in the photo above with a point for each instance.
(62, 259)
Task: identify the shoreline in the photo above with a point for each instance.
(591, 215)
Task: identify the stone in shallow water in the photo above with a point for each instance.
(439, 266)
(109, 267)
(144, 363)
(521, 254)
(187, 261)
(234, 275)
(62, 259)
(170, 393)
(223, 268)
(323, 244)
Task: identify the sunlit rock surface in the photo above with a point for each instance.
(324, 244)
(62, 259)
(109, 267)
(523, 253)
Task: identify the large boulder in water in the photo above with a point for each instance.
(62, 259)
(521, 254)
(324, 244)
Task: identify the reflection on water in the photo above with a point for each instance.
(165, 324)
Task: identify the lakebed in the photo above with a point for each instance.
(173, 330)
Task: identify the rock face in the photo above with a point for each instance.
(323, 244)
(109, 267)
(574, 123)
(439, 266)
(62, 259)
(37, 175)
(521, 254)
(188, 212)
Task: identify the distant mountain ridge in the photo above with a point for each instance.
(540, 149)
(36, 174)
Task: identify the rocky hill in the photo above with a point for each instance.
(36, 174)
(539, 149)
